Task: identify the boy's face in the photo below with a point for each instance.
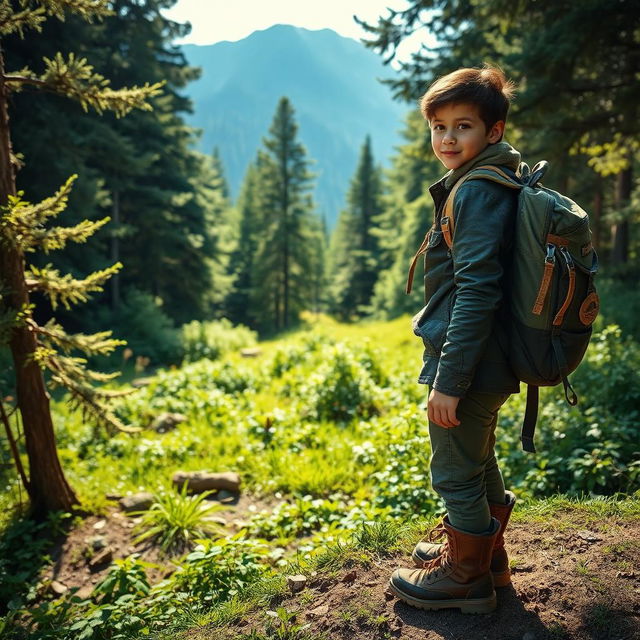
(459, 135)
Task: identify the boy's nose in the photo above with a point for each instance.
(449, 138)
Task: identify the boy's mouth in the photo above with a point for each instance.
(449, 153)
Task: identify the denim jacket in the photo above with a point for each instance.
(462, 324)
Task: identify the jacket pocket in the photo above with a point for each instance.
(433, 332)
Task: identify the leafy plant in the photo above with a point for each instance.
(126, 577)
(175, 521)
(213, 339)
(217, 570)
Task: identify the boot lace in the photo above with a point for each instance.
(437, 533)
(433, 569)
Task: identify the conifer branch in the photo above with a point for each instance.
(57, 237)
(21, 218)
(71, 374)
(86, 9)
(24, 80)
(94, 344)
(13, 446)
(17, 22)
(75, 78)
(35, 12)
(67, 289)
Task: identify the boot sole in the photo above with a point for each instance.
(502, 579)
(478, 605)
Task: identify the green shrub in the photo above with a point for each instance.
(217, 570)
(176, 520)
(145, 326)
(592, 447)
(214, 338)
(341, 388)
(198, 390)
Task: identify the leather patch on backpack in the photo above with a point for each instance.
(589, 309)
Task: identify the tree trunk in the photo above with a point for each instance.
(620, 230)
(48, 489)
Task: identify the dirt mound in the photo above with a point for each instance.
(567, 582)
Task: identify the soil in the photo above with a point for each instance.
(76, 563)
(571, 579)
(568, 582)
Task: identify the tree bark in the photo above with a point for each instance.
(620, 230)
(48, 488)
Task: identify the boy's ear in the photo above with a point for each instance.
(496, 132)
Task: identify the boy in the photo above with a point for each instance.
(465, 362)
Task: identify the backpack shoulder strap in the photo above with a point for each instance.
(484, 172)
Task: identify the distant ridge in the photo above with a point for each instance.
(332, 82)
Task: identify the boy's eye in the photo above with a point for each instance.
(438, 127)
(463, 125)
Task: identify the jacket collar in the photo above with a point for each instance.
(500, 153)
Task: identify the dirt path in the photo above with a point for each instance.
(567, 583)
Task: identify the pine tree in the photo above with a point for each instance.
(23, 229)
(355, 257)
(140, 170)
(408, 214)
(284, 258)
(584, 99)
(241, 262)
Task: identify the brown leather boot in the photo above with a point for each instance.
(458, 578)
(427, 549)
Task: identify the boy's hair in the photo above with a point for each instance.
(487, 88)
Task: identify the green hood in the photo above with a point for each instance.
(500, 153)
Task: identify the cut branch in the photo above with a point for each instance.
(14, 447)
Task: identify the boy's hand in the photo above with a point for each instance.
(441, 409)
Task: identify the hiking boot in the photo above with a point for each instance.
(457, 578)
(427, 549)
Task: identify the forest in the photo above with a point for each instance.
(151, 326)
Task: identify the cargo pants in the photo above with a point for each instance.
(464, 469)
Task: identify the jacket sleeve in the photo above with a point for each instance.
(483, 215)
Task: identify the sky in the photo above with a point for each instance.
(216, 20)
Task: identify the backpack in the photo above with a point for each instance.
(552, 299)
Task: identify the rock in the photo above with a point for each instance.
(250, 352)
(57, 588)
(350, 577)
(100, 524)
(589, 536)
(137, 502)
(318, 612)
(141, 382)
(100, 559)
(529, 636)
(167, 421)
(97, 542)
(84, 593)
(199, 481)
(296, 583)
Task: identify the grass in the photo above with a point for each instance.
(369, 470)
(175, 520)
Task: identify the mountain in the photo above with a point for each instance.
(333, 84)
